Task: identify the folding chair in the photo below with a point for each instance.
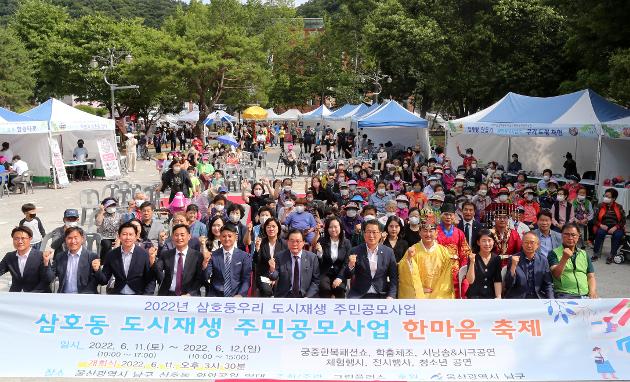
(268, 173)
(109, 191)
(123, 197)
(248, 173)
(27, 181)
(232, 178)
(4, 186)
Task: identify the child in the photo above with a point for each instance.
(196, 183)
(32, 221)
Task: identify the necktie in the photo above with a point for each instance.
(180, 274)
(296, 277)
(467, 232)
(227, 275)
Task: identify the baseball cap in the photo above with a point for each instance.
(223, 189)
(71, 213)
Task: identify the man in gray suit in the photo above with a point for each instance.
(547, 238)
(295, 271)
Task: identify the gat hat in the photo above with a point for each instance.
(448, 208)
(71, 213)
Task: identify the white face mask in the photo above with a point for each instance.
(560, 198)
(287, 188)
(381, 191)
(607, 200)
(424, 173)
(529, 197)
(496, 181)
(299, 209)
(388, 214)
(234, 218)
(351, 213)
(397, 178)
(483, 192)
(219, 207)
(288, 203)
(402, 205)
(139, 202)
(414, 220)
(473, 165)
(546, 178)
(447, 171)
(110, 210)
(344, 192)
(258, 192)
(369, 217)
(503, 198)
(581, 198)
(72, 224)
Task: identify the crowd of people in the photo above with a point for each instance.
(376, 222)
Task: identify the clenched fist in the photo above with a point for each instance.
(515, 260)
(152, 255)
(96, 265)
(272, 265)
(567, 253)
(352, 261)
(47, 255)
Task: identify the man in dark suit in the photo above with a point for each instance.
(31, 270)
(295, 271)
(229, 269)
(131, 265)
(469, 226)
(76, 268)
(528, 275)
(372, 267)
(179, 271)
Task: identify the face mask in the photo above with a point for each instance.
(459, 184)
(309, 199)
(287, 188)
(447, 171)
(110, 210)
(581, 198)
(483, 192)
(424, 173)
(417, 189)
(299, 209)
(414, 220)
(496, 181)
(510, 189)
(397, 178)
(546, 178)
(471, 184)
(389, 214)
(402, 205)
(560, 198)
(176, 170)
(288, 203)
(258, 192)
(369, 217)
(474, 165)
(607, 200)
(219, 207)
(344, 192)
(32, 216)
(433, 183)
(352, 187)
(529, 197)
(72, 224)
(503, 198)
(234, 218)
(381, 191)
(405, 165)
(351, 213)
(263, 219)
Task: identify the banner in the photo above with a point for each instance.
(513, 129)
(57, 159)
(61, 335)
(109, 160)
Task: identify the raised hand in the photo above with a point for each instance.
(352, 261)
(46, 256)
(272, 265)
(96, 265)
(152, 255)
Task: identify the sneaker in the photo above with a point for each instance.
(609, 260)
(595, 257)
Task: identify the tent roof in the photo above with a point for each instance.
(290, 115)
(516, 114)
(364, 110)
(64, 117)
(343, 111)
(271, 115)
(7, 115)
(391, 114)
(318, 113)
(216, 116)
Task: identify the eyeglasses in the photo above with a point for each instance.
(567, 234)
(372, 232)
(21, 238)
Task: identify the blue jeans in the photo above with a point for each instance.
(616, 237)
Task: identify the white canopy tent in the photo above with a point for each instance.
(27, 138)
(271, 115)
(290, 115)
(66, 124)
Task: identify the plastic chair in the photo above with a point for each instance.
(461, 276)
(109, 191)
(90, 202)
(268, 173)
(135, 188)
(248, 173)
(123, 196)
(154, 196)
(93, 242)
(123, 185)
(232, 178)
(27, 181)
(246, 209)
(45, 240)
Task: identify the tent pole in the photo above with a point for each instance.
(52, 164)
(599, 162)
(509, 150)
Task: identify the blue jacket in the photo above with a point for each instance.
(240, 273)
(516, 286)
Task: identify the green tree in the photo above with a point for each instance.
(16, 71)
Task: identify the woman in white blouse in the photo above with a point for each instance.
(333, 250)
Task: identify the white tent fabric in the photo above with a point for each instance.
(342, 117)
(66, 124)
(192, 116)
(290, 115)
(316, 115)
(271, 115)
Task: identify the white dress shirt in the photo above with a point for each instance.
(126, 258)
(22, 261)
(173, 282)
(72, 270)
(373, 259)
(334, 250)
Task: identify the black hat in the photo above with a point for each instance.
(448, 207)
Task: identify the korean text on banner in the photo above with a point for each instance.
(57, 159)
(109, 160)
(288, 339)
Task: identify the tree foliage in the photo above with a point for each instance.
(16, 71)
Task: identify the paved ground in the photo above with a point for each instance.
(612, 279)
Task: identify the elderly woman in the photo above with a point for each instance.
(610, 219)
(107, 221)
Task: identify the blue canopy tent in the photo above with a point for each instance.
(341, 118)
(392, 122)
(217, 117)
(523, 124)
